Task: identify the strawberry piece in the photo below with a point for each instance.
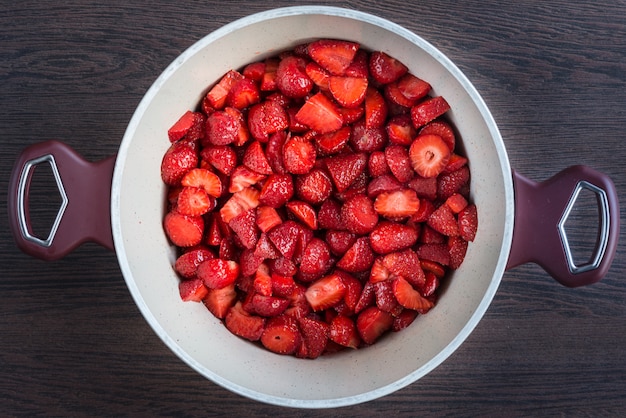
(413, 88)
(438, 253)
(183, 230)
(389, 236)
(468, 222)
(187, 264)
(254, 71)
(359, 257)
(385, 298)
(430, 236)
(408, 297)
(404, 319)
(359, 65)
(265, 249)
(458, 248)
(318, 75)
(450, 183)
(428, 110)
(244, 225)
(429, 155)
(346, 168)
(442, 129)
(285, 238)
(395, 96)
(399, 162)
(367, 298)
(217, 94)
(304, 212)
(193, 201)
(249, 260)
(384, 68)
(314, 335)
(204, 179)
(262, 282)
(315, 260)
(219, 301)
(222, 128)
(400, 130)
(348, 91)
(254, 158)
(268, 81)
(377, 164)
(223, 158)
(351, 114)
(180, 157)
(283, 266)
(239, 202)
(325, 292)
(190, 124)
(298, 155)
(396, 205)
(277, 190)
(333, 142)
(333, 55)
(267, 118)
(218, 273)
(343, 331)
(456, 202)
(267, 218)
(241, 323)
(367, 139)
(372, 323)
(431, 267)
(424, 187)
(455, 163)
(266, 306)
(443, 220)
(291, 77)
(358, 214)
(243, 134)
(379, 272)
(329, 215)
(405, 264)
(274, 151)
(192, 290)
(320, 114)
(339, 241)
(376, 108)
(432, 283)
(244, 93)
(314, 187)
(381, 184)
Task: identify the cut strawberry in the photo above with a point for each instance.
(381, 184)
(219, 301)
(265, 119)
(455, 163)
(304, 212)
(424, 187)
(343, 331)
(268, 81)
(320, 114)
(315, 260)
(291, 77)
(283, 266)
(432, 283)
(372, 323)
(395, 96)
(365, 139)
(429, 155)
(254, 71)
(190, 124)
(351, 114)
(389, 236)
(298, 155)
(441, 128)
(244, 225)
(376, 109)
(397, 205)
(222, 128)
(262, 282)
(399, 162)
(359, 65)
(359, 257)
(193, 201)
(267, 218)
(468, 222)
(314, 335)
(183, 230)
(450, 183)
(346, 168)
(192, 290)
(241, 323)
(428, 110)
(329, 216)
(283, 286)
(333, 55)
(187, 264)
(266, 306)
(265, 249)
(254, 158)
(456, 202)
(377, 164)
(348, 91)
(222, 157)
(405, 264)
(400, 130)
(318, 75)
(325, 292)
(285, 238)
(274, 151)
(443, 220)
(277, 190)
(218, 273)
(333, 142)
(204, 179)
(438, 253)
(431, 267)
(180, 157)
(244, 93)
(384, 68)
(339, 241)
(413, 88)
(314, 187)
(404, 319)
(458, 248)
(430, 236)
(218, 93)
(408, 297)
(378, 272)
(358, 215)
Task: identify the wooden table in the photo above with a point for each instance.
(73, 343)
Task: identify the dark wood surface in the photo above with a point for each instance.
(73, 343)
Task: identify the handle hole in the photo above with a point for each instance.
(583, 227)
(44, 200)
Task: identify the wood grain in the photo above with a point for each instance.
(72, 341)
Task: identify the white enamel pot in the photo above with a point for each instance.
(124, 199)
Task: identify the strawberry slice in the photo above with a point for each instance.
(179, 158)
(277, 190)
(424, 187)
(204, 179)
(399, 162)
(241, 323)
(428, 110)
(325, 292)
(429, 155)
(254, 71)
(219, 301)
(373, 323)
(314, 187)
(437, 253)
(192, 290)
(333, 55)
(281, 335)
(458, 248)
(443, 129)
(244, 93)
(358, 214)
(408, 297)
(396, 205)
(291, 77)
(266, 306)
(267, 218)
(359, 257)
(367, 298)
(298, 155)
(304, 212)
(320, 114)
(343, 331)
(405, 264)
(404, 319)
(359, 65)
(314, 335)
(244, 225)
(333, 142)
(413, 88)
(432, 283)
(318, 75)
(223, 158)
(348, 91)
(456, 202)
(384, 68)
(218, 273)
(217, 94)
(344, 169)
(450, 183)
(266, 118)
(183, 230)
(190, 124)
(194, 201)
(274, 151)
(443, 220)
(390, 236)
(268, 81)
(379, 272)
(242, 178)
(366, 139)
(468, 222)
(254, 158)
(395, 96)
(187, 264)
(376, 108)
(283, 286)
(385, 183)
(400, 130)
(385, 299)
(285, 238)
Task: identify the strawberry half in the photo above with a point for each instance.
(408, 297)
(344, 169)
(372, 323)
(192, 290)
(384, 68)
(325, 292)
(314, 336)
(241, 323)
(183, 230)
(320, 114)
(389, 236)
(428, 110)
(219, 301)
(204, 179)
(194, 201)
(468, 222)
(180, 157)
(343, 331)
(281, 335)
(348, 91)
(429, 155)
(218, 273)
(333, 55)
(396, 205)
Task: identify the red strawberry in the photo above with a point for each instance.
(430, 236)
(266, 118)
(377, 164)
(325, 292)
(395, 96)
(298, 155)
(218, 93)
(405, 264)
(254, 158)
(193, 201)
(329, 215)
(314, 187)
(428, 110)
(183, 230)
(315, 260)
(413, 88)
(187, 264)
(222, 157)
(424, 187)
(244, 225)
(438, 253)
(274, 151)
(384, 68)
(372, 323)
(267, 218)
(285, 238)
(359, 65)
(399, 162)
(367, 298)
(291, 77)
(241, 323)
(267, 306)
(456, 202)
(367, 139)
(314, 335)
(333, 142)
(396, 205)
(218, 273)
(455, 163)
(320, 114)
(351, 114)
(431, 285)
(343, 331)
(427, 207)
(243, 133)
(358, 258)
(404, 319)
(389, 236)
(244, 93)
(450, 183)
(204, 179)
(385, 298)
(283, 266)
(265, 249)
(408, 297)
(348, 91)
(441, 128)
(180, 157)
(222, 128)
(192, 290)
(429, 155)
(254, 71)
(468, 222)
(346, 168)
(376, 109)
(249, 260)
(378, 272)
(262, 282)
(333, 55)
(385, 183)
(339, 241)
(318, 75)
(219, 301)
(431, 267)
(358, 214)
(304, 212)
(190, 124)
(277, 190)
(268, 81)
(400, 130)
(443, 220)
(457, 247)
(283, 286)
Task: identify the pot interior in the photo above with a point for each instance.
(190, 331)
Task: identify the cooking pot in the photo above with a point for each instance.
(120, 203)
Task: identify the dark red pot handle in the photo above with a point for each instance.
(541, 211)
(85, 212)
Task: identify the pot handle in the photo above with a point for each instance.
(85, 211)
(541, 212)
